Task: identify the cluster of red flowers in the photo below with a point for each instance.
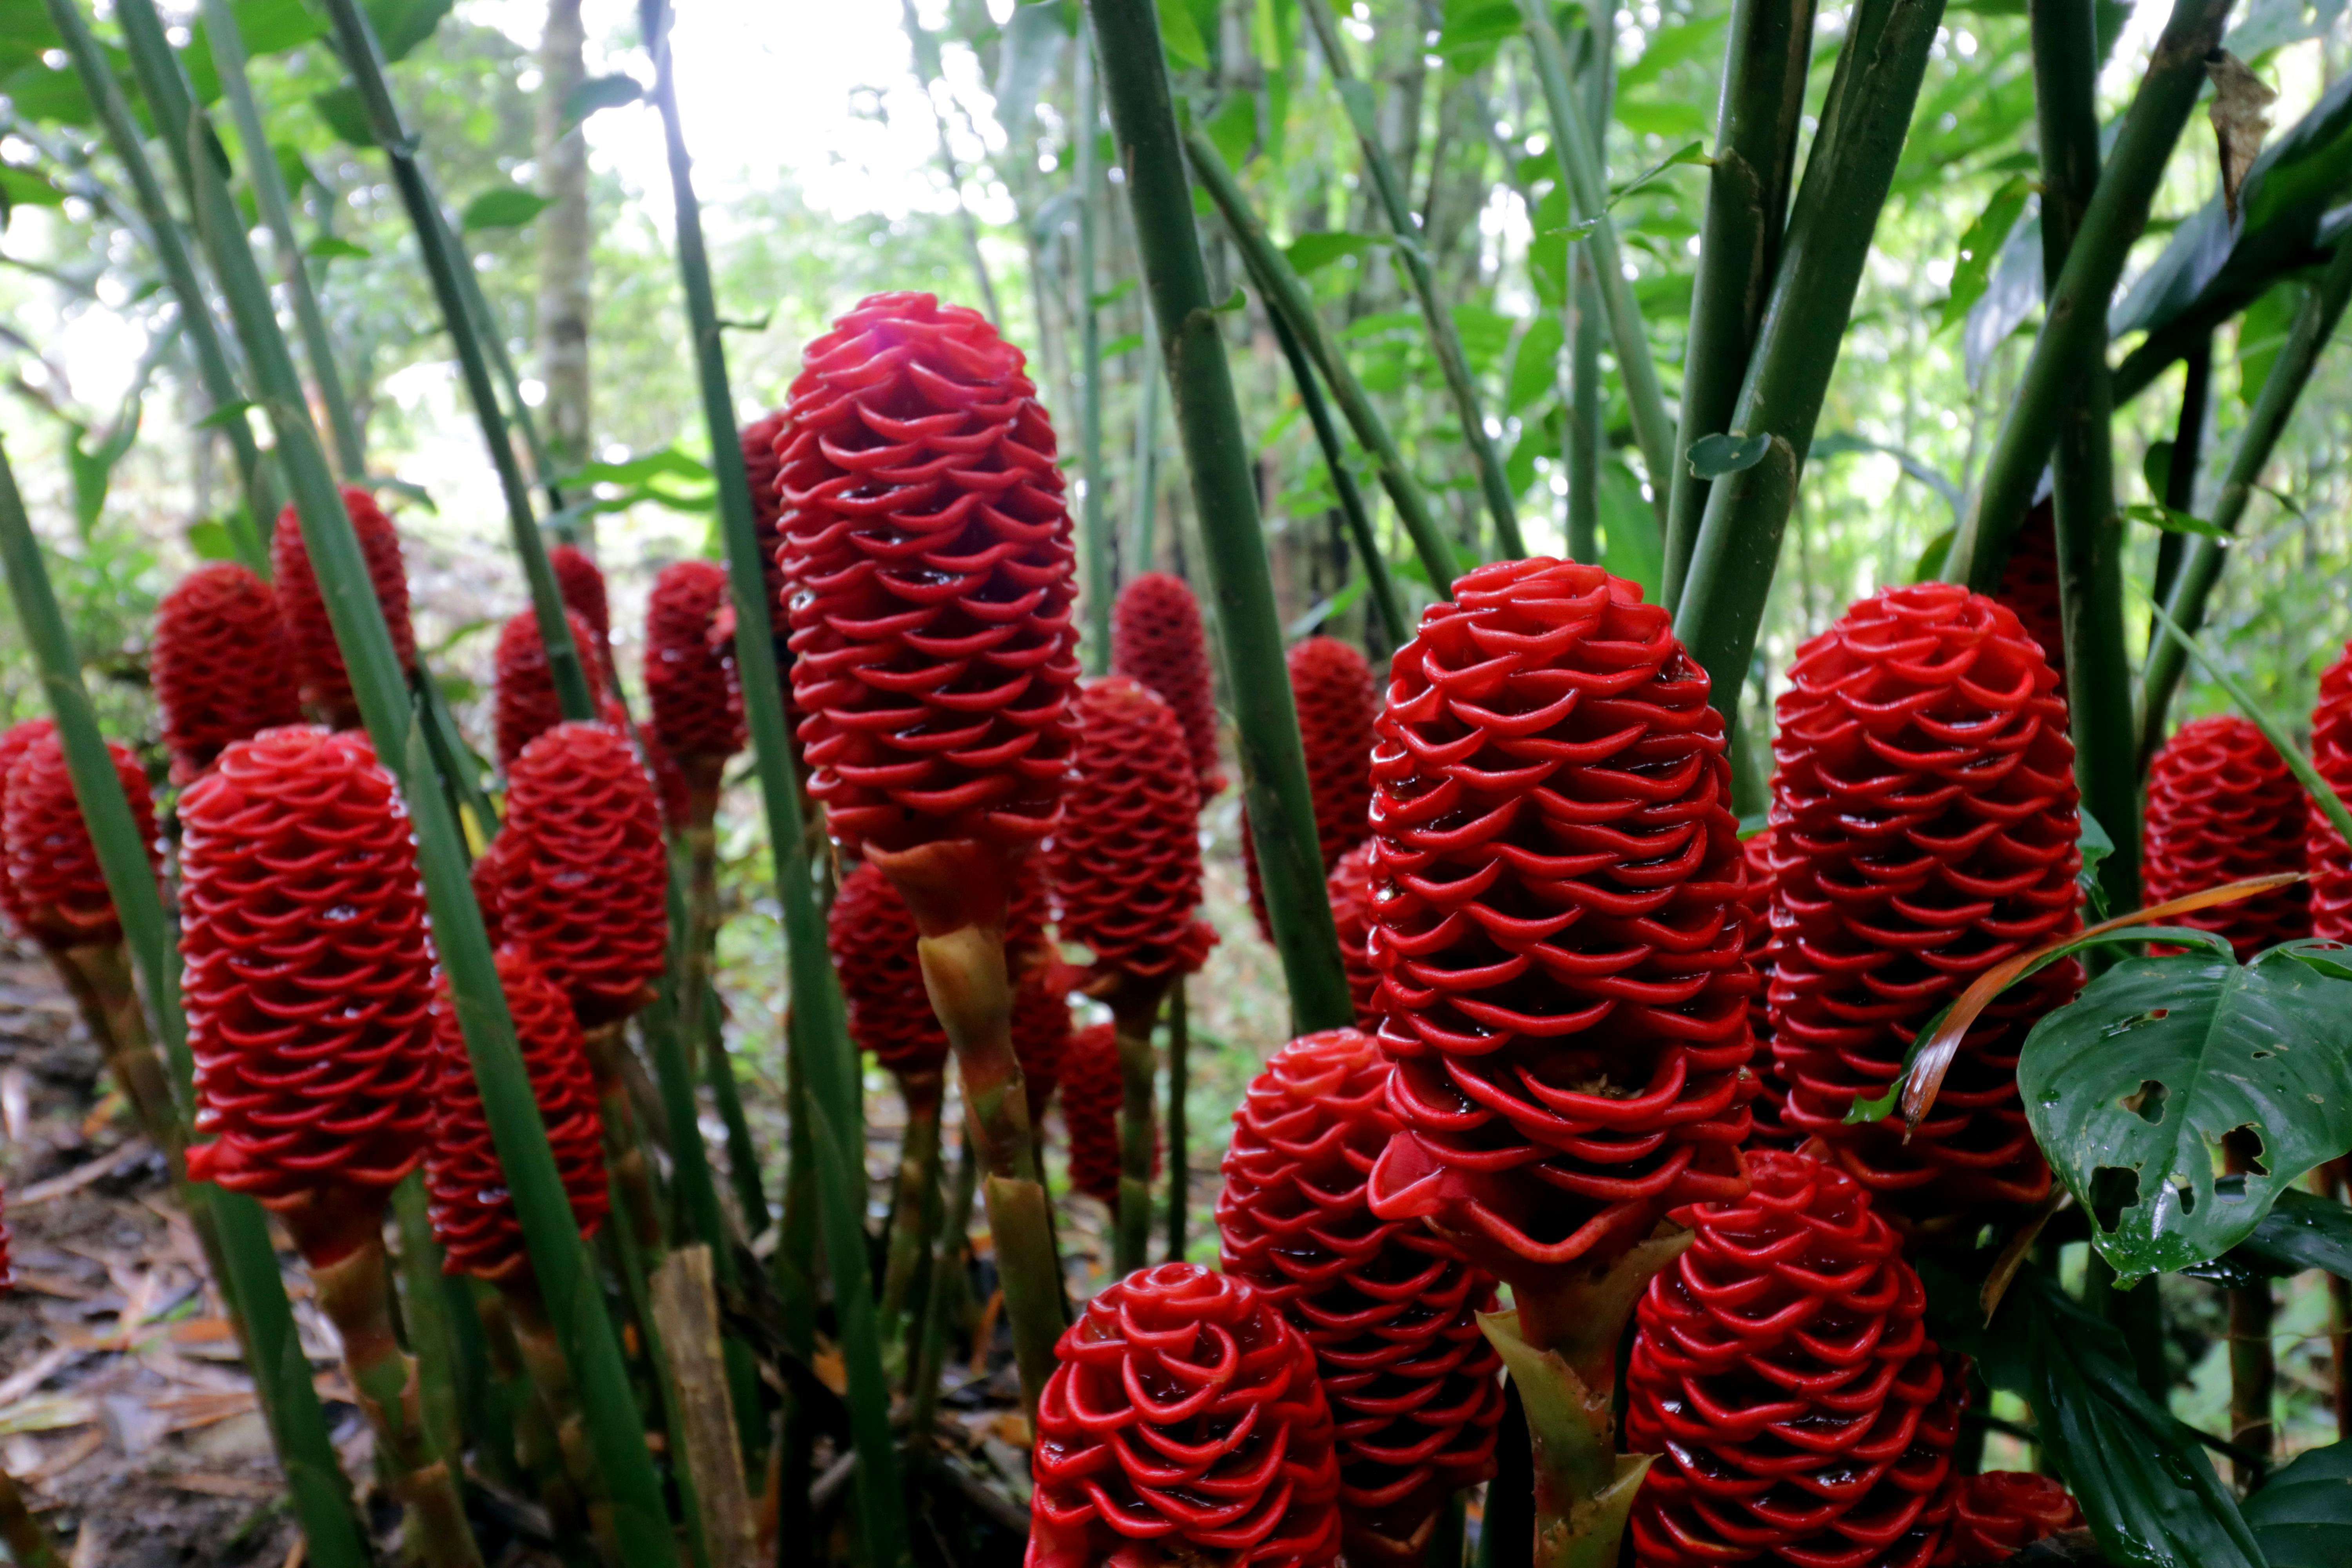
(2222, 805)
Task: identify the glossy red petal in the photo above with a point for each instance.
(1156, 637)
(2222, 806)
(1349, 889)
(762, 466)
(2000, 1513)
(2327, 855)
(1126, 860)
(57, 890)
(1756, 906)
(220, 665)
(318, 661)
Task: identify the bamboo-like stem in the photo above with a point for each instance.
(1287, 299)
(1868, 114)
(268, 187)
(2253, 1363)
(1224, 491)
(1587, 406)
(625, 1151)
(695, 965)
(930, 1352)
(2201, 569)
(1145, 503)
(793, 1269)
(452, 759)
(536, 1450)
(250, 533)
(556, 1403)
(827, 1089)
(914, 1208)
(1353, 510)
(927, 70)
(1581, 165)
(1444, 340)
(1135, 1002)
(2074, 324)
(1095, 527)
(426, 1317)
(2334, 1180)
(1765, 64)
(2187, 453)
(1180, 1084)
(29, 1543)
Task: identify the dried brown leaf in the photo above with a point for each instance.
(2241, 113)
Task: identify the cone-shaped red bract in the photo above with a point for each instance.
(318, 661)
(690, 684)
(1924, 829)
(1349, 889)
(307, 975)
(1092, 1093)
(580, 583)
(1155, 636)
(526, 702)
(14, 742)
(219, 664)
(1558, 933)
(928, 552)
(872, 935)
(2028, 585)
(1783, 1372)
(1183, 1425)
(57, 891)
(2222, 806)
(1389, 1308)
(1126, 860)
(584, 882)
(1755, 904)
(2000, 1513)
(473, 1213)
(760, 467)
(2327, 856)
(1332, 687)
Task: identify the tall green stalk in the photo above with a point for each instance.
(1286, 297)
(1586, 405)
(1145, 501)
(1444, 340)
(1353, 510)
(1224, 489)
(818, 1033)
(1094, 521)
(1853, 165)
(2200, 568)
(1763, 97)
(2074, 324)
(236, 1236)
(1578, 150)
(250, 533)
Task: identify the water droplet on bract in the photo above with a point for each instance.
(803, 600)
(340, 912)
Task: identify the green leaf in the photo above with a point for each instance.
(2261, 333)
(638, 470)
(1630, 545)
(2303, 1514)
(2096, 846)
(1689, 153)
(508, 208)
(1534, 366)
(2131, 1088)
(211, 540)
(327, 247)
(1980, 243)
(219, 419)
(344, 115)
(2155, 467)
(2301, 1231)
(54, 97)
(263, 27)
(1670, 46)
(598, 93)
(1179, 36)
(1124, 343)
(2171, 521)
(27, 188)
(1712, 456)
(1115, 293)
(1318, 248)
(1031, 46)
(1234, 128)
(402, 25)
(1930, 564)
(1472, 28)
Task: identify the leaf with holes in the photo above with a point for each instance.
(2132, 1087)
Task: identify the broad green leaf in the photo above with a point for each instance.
(1234, 128)
(25, 35)
(219, 419)
(344, 115)
(1689, 153)
(1472, 28)
(598, 93)
(2131, 1088)
(2172, 521)
(264, 26)
(402, 25)
(27, 188)
(53, 96)
(327, 247)
(1123, 343)
(509, 208)
(1980, 243)
(1535, 368)
(1930, 564)
(638, 470)
(2301, 1231)
(1673, 119)
(211, 540)
(2013, 294)
(1670, 46)
(1630, 545)
(1712, 456)
(2095, 847)
(1485, 332)
(2262, 333)
(1179, 38)
(2303, 1514)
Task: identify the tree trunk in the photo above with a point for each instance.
(563, 239)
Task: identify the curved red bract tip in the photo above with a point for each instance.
(872, 936)
(1556, 921)
(1781, 1370)
(1126, 860)
(526, 706)
(580, 583)
(1156, 637)
(318, 661)
(1092, 1094)
(2328, 858)
(2000, 1513)
(1756, 908)
(1389, 1308)
(14, 742)
(2222, 806)
(1185, 1421)
(1349, 889)
(762, 466)
(1331, 686)
(57, 889)
(220, 665)
(690, 682)
(927, 549)
(2028, 585)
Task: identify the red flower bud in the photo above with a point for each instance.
(1924, 829)
(1782, 1370)
(1349, 889)
(1184, 1422)
(307, 975)
(2028, 585)
(473, 1213)
(1559, 939)
(1155, 636)
(1756, 906)
(1092, 1094)
(318, 661)
(872, 935)
(15, 743)
(1332, 687)
(585, 887)
(1389, 1308)
(2000, 1513)
(527, 706)
(1041, 1034)
(690, 683)
(580, 583)
(928, 550)
(1126, 860)
(219, 664)
(2329, 859)
(57, 891)
(762, 465)
(2222, 805)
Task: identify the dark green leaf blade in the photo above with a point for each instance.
(509, 208)
(2303, 1514)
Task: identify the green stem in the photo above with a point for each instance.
(1094, 529)
(1224, 491)
(29, 1543)
(1581, 165)
(492, 337)
(1134, 1010)
(1179, 1085)
(1587, 404)
(2074, 323)
(1287, 298)
(557, 1419)
(1836, 211)
(2187, 453)
(1146, 500)
(425, 1316)
(452, 758)
(2314, 324)
(918, 1176)
(923, 1404)
(699, 929)
(1353, 510)
(638, 1206)
(1444, 340)
(818, 1033)
(1764, 71)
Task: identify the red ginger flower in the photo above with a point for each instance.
(1126, 860)
(2222, 805)
(318, 661)
(2028, 585)
(2000, 1513)
(58, 891)
(760, 467)
(929, 550)
(1155, 636)
(526, 706)
(1924, 829)
(1332, 687)
(1185, 1424)
(219, 664)
(488, 879)
(1559, 936)
(14, 742)
(580, 583)
(473, 1214)
(1092, 1095)
(584, 885)
(2330, 860)
(307, 975)
(1041, 1035)
(1349, 889)
(1755, 905)
(872, 935)
(1782, 1366)
(690, 682)
(1389, 1307)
